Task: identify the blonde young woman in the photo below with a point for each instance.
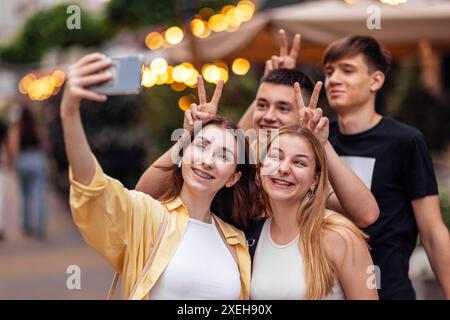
(305, 251)
(200, 255)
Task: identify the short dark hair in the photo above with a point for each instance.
(377, 57)
(289, 77)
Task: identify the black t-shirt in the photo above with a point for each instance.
(394, 162)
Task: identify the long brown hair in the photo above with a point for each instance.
(241, 202)
(320, 273)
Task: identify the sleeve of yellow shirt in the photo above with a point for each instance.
(112, 219)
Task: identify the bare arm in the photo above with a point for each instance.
(246, 121)
(152, 181)
(435, 238)
(82, 74)
(353, 263)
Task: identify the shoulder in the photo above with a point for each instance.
(230, 231)
(341, 237)
(400, 130)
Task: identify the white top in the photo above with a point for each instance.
(201, 268)
(278, 271)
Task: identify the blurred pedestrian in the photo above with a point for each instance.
(32, 168)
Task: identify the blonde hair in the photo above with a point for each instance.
(320, 272)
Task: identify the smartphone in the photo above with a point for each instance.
(126, 77)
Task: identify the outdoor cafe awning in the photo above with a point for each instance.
(321, 22)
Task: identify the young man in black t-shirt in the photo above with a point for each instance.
(394, 162)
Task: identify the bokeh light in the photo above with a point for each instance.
(148, 78)
(178, 86)
(159, 66)
(217, 23)
(180, 73)
(154, 40)
(161, 78)
(169, 75)
(42, 88)
(234, 18)
(240, 66)
(25, 83)
(200, 28)
(174, 35)
(184, 103)
(211, 73)
(191, 81)
(246, 8)
(223, 75)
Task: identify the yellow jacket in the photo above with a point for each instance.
(122, 226)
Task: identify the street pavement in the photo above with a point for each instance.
(37, 269)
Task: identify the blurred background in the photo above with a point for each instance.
(179, 39)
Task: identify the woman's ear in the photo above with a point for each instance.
(316, 180)
(377, 80)
(234, 179)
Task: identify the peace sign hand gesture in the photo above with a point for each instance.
(285, 59)
(311, 116)
(204, 109)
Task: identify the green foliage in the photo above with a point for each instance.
(408, 101)
(136, 13)
(48, 29)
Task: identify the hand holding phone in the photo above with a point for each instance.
(126, 77)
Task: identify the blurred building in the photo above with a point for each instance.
(13, 16)
(15, 13)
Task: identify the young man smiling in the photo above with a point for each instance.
(392, 159)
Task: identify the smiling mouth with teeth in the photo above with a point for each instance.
(202, 174)
(281, 182)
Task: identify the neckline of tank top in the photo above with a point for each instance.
(201, 223)
(280, 246)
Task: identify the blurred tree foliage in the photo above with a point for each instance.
(136, 13)
(406, 99)
(46, 30)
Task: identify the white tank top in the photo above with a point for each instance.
(278, 271)
(202, 267)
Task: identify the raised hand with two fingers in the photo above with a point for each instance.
(203, 109)
(287, 59)
(310, 116)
